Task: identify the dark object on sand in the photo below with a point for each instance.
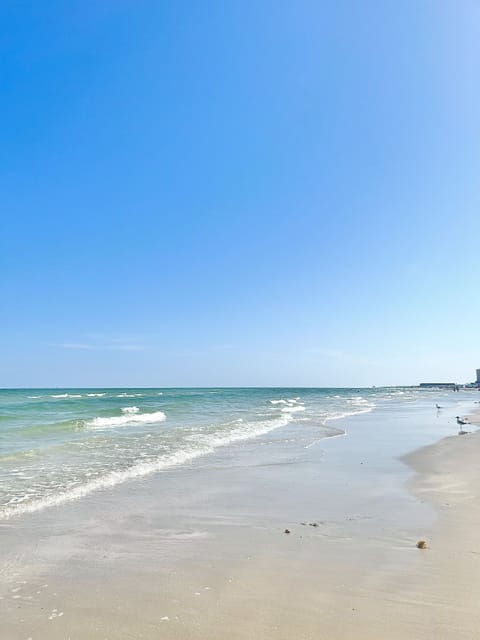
(287, 531)
(421, 544)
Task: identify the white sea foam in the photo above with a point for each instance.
(130, 410)
(96, 395)
(140, 469)
(291, 402)
(359, 401)
(293, 409)
(354, 412)
(247, 430)
(129, 418)
(130, 395)
(66, 395)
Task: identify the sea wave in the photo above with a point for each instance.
(293, 408)
(130, 395)
(130, 410)
(128, 418)
(201, 447)
(109, 480)
(346, 414)
(358, 400)
(66, 395)
(289, 401)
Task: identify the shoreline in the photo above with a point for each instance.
(201, 551)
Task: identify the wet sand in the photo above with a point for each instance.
(200, 551)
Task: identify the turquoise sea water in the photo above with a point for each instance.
(58, 445)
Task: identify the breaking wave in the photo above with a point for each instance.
(131, 417)
(201, 447)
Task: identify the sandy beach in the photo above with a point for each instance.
(201, 551)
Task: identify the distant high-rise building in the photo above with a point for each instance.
(478, 377)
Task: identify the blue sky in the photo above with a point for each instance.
(239, 193)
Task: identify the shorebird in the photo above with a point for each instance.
(438, 406)
(461, 422)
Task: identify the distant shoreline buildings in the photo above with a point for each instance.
(452, 385)
(438, 385)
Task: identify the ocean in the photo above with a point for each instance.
(58, 445)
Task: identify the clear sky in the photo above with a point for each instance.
(239, 192)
